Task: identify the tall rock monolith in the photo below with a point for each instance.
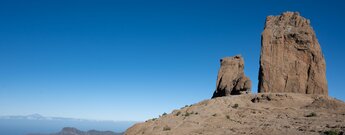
(291, 58)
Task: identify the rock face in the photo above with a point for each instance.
(231, 79)
(291, 57)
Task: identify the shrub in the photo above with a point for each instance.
(166, 128)
(184, 107)
(178, 113)
(235, 106)
(227, 117)
(331, 132)
(313, 114)
(187, 114)
(164, 114)
(214, 115)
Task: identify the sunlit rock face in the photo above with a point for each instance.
(291, 57)
(231, 79)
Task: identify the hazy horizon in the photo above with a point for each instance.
(36, 123)
(62, 117)
(134, 60)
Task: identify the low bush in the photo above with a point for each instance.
(235, 106)
(178, 113)
(331, 132)
(166, 128)
(227, 117)
(312, 114)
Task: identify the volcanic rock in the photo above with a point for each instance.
(291, 57)
(231, 79)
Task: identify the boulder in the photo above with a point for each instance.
(291, 58)
(231, 79)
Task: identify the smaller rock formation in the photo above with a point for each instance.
(231, 79)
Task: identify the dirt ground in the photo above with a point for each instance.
(257, 114)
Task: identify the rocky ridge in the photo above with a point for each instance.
(259, 114)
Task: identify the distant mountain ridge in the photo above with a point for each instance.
(41, 117)
(74, 131)
(36, 123)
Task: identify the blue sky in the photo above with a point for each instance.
(134, 60)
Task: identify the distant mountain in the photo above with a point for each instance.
(40, 117)
(74, 131)
(29, 117)
(36, 123)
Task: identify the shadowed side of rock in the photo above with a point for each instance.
(291, 58)
(231, 79)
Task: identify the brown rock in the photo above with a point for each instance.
(231, 79)
(291, 57)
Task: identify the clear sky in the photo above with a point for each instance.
(134, 60)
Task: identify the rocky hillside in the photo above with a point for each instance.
(292, 95)
(260, 114)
